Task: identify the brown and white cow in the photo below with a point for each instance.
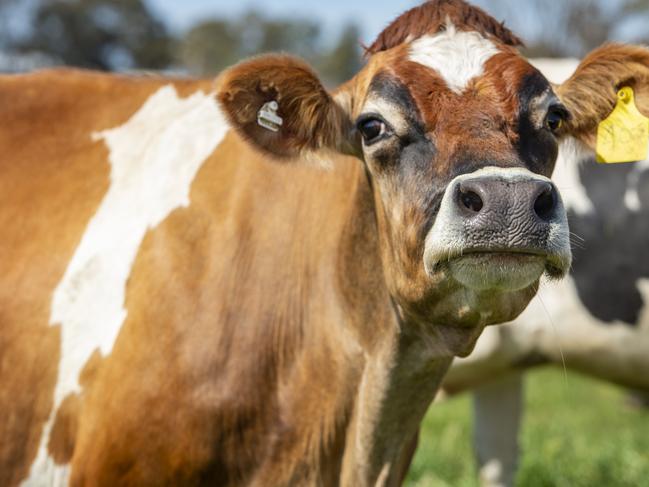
(188, 297)
(595, 321)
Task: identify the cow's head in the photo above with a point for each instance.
(459, 135)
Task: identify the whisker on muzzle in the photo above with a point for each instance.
(577, 244)
(577, 241)
(577, 236)
(555, 333)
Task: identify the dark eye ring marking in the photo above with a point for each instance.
(557, 115)
(373, 128)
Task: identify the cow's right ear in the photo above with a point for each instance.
(280, 106)
(591, 93)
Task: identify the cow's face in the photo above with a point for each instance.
(458, 135)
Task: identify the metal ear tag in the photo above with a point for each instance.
(267, 117)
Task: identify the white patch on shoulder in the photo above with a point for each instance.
(154, 158)
(457, 56)
(631, 197)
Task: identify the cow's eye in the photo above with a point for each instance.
(555, 118)
(372, 129)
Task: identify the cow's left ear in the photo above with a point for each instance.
(279, 105)
(591, 93)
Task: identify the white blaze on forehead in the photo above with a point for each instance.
(154, 158)
(457, 56)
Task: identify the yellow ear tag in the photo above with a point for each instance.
(624, 135)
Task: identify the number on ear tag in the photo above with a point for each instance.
(624, 135)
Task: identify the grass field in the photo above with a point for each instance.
(576, 433)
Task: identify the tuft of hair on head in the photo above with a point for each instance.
(311, 118)
(432, 16)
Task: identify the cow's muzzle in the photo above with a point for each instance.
(499, 229)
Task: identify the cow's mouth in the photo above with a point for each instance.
(503, 269)
(498, 229)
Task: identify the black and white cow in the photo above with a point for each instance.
(597, 320)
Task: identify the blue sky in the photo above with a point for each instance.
(371, 15)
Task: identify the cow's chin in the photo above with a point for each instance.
(497, 271)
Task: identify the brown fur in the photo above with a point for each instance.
(50, 165)
(432, 15)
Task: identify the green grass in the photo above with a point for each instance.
(576, 433)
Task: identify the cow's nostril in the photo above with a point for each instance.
(471, 200)
(545, 204)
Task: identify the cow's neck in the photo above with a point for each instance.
(404, 363)
(351, 352)
(399, 382)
